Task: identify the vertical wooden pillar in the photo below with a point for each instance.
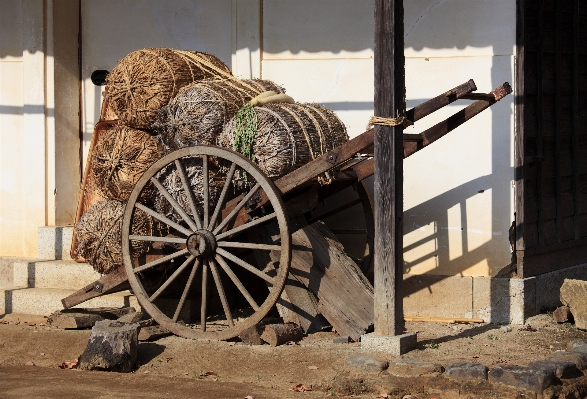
(389, 103)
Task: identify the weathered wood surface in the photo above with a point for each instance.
(107, 284)
(279, 334)
(388, 155)
(345, 296)
(296, 304)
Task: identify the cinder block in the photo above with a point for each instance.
(504, 300)
(393, 345)
(549, 285)
(54, 243)
(430, 295)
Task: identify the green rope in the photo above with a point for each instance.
(246, 127)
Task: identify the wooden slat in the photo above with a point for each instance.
(519, 143)
(575, 139)
(539, 106)
(557, 115)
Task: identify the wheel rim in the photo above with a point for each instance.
(206, 242)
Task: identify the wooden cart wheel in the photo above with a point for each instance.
(349, 214)
(202, 262)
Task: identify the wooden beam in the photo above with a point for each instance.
(388, 154)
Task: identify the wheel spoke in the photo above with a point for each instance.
(246, 226)
(164, 219)
(244, 264)
(222, 195)
(206, 189)
(172, 278)
(203, 309)
(188, 192)
(160, 261)
(174, 204)
(174, 240)
(236, 282)
(221, 292)
(188, 285)
(237, 208)
(230, 244)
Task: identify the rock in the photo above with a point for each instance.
(466, 371)
(574, 295)
(151, 333)
(560, 368)
(580, 359)
(562, 314)
(367, 363)
(112, 346)
(505, 329)
(413, 368)
(536, 380)
(577, 345)
(133, 317)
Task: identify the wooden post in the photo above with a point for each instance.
(389, 103)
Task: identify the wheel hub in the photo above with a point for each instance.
(202, 243)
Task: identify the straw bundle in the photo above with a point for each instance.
(200, 110)
(145, 80)
(120, 158)
(171, 180)
(289, 136)
(100, 239)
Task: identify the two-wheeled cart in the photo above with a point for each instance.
(201, 266)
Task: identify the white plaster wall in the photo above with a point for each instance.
(22, 141)
(112, 28)
(457, 193)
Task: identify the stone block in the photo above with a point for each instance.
(574, 295)
(580, 359)
(577, 345)
(466, 371)
(365, 362)
(413, 368)
(54, 243)
(549, 285)
(394, 345)
(504, 300)
(426, 295)
(112, 346)
(560, 368)
(562, 314)
(536, 380)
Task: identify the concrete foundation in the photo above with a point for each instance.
(397, 345)
(54, 243)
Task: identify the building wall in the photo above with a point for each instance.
(458, 192)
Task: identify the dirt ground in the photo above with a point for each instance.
(173, 365)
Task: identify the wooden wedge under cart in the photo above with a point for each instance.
(207, 246)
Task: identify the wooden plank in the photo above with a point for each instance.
(539, 123)
(345, 296)
(388, 155)
(109, 283)
(575, 139)
(557, 115)
(548, 258)
(461, 91)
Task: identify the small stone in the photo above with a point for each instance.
(536, 380)
(562, 314)
(112, 346)
(560, 368)
(505, 329)
(580, 359)
(367, 362)
(29, 363)
(466, 371)
(413, 368)
(341, 340)
(573, 293)
(133, 317)
(577, 345)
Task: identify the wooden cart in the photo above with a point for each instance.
(209, 247)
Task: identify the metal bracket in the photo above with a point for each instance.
(98, 287)
(331, 157)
